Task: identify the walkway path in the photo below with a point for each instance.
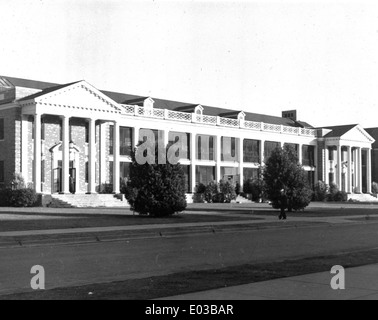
(361, 283)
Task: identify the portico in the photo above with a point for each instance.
(347, 159)
(88, 109)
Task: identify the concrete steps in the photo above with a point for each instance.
(86, 201)
(362, 197)
(240, 199)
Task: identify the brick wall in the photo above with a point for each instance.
(78, 137)
(374, 165)
(52, 128)
(9, 148)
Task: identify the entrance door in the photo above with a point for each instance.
(72, 180)
(57, 180)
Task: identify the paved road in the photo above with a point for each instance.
(102, 262)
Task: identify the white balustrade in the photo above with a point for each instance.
(213, 120)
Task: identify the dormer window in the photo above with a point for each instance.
(198, 110)
(241, 115)
(148, 103)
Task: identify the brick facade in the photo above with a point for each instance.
(10, 148)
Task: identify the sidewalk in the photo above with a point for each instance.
(361, 283)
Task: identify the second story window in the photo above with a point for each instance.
(2, 129)
(205, 147)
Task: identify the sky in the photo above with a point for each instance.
(318, 57)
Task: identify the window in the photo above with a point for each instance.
(269, 147)
(205, 174)
(124, 170)
(111, 131)
(86, 172)
(43, 129)
(229, 174)
(1, 171)
(250, 173)
(184, 139)
(228, 147)
(308, 155)
(125, 137)
(186, 170)
(1, 128)
(251, 151)
(43, 162)
(87, 132)
(205, 147)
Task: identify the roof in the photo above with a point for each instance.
(18, 82)
(338, 131)
(374, 133)
(48, 90)
(124, 98)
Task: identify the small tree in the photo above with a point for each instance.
(18, 181)
(285, 182)
(156, 189)
(321, 190)
(227, 191)
(211, 192)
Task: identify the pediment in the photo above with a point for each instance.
(80, 94)
(357, 133)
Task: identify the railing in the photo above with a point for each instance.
(214, 121)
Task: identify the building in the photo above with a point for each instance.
(74, 138)
(374, 153)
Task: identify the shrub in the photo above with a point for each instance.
(18, 181)
(25, 197)
(340, 196)
(156, 189)
(285, 180)
(211, 193)
(254, 187)
(333, 190)
(200, 188)
(226, 191)
(237, 188)
(374, 187)
(198, 198)
(321, 190)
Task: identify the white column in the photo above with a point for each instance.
(326, 165)
(339, 168)
(37, 153)
(193, 162)
(368, 170)
(166, 137)
(300, 157)
(262, 150)
(92, 156)
(316, 165)
(218, 151)
(103, 151)
(135, 136)
(241, 164)
(359, 169)
(24, 148)
(349, 173)
(65, 154)
(116, 183)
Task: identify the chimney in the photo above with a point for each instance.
(291, 114)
